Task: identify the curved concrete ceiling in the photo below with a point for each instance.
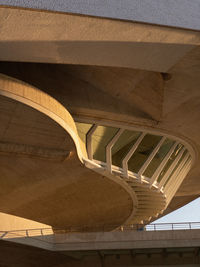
(176, 106)
(41, 177)
(63, 38)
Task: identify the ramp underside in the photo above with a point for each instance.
(42, 178)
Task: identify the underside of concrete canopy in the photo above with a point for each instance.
(174, 13)
(60, 69)
(36, 36)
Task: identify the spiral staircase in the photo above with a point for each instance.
(135, 170)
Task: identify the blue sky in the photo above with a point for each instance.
(188, 213)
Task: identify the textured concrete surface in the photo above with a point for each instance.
(178, 248)
(127, 240)
(114, 240)
(9, 222)
(71, 39)
(134, 91)
(176, 13)
(119, 94)
(40, 180)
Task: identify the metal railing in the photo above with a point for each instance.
(42, 232)
(26, 233)
(48, 238)
(172, 226)
(161, 227)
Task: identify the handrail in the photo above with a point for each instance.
(46, 237)
(133, 227)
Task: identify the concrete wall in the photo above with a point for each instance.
(106, 240)
(24, 255)
(176, 13)
(127, 240)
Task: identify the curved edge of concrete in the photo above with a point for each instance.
(44, 103)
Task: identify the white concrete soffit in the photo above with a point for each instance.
(174, 13)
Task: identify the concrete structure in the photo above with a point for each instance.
(129, 248)
(178, 13)
(99, 111)
(25, 256)
(128, 239)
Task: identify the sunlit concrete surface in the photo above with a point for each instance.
(47, 181)
(9, 223)
(71, 39)
(60, 69)
(133, 199)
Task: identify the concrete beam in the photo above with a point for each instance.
(175, 13)
(36, 36)
(127, 240)
(97, 241)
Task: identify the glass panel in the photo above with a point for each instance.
(82, 129)
(173, 156)
(179, 162)
(123, 145)
(160, 155)
(143, 151)
(100, 139)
